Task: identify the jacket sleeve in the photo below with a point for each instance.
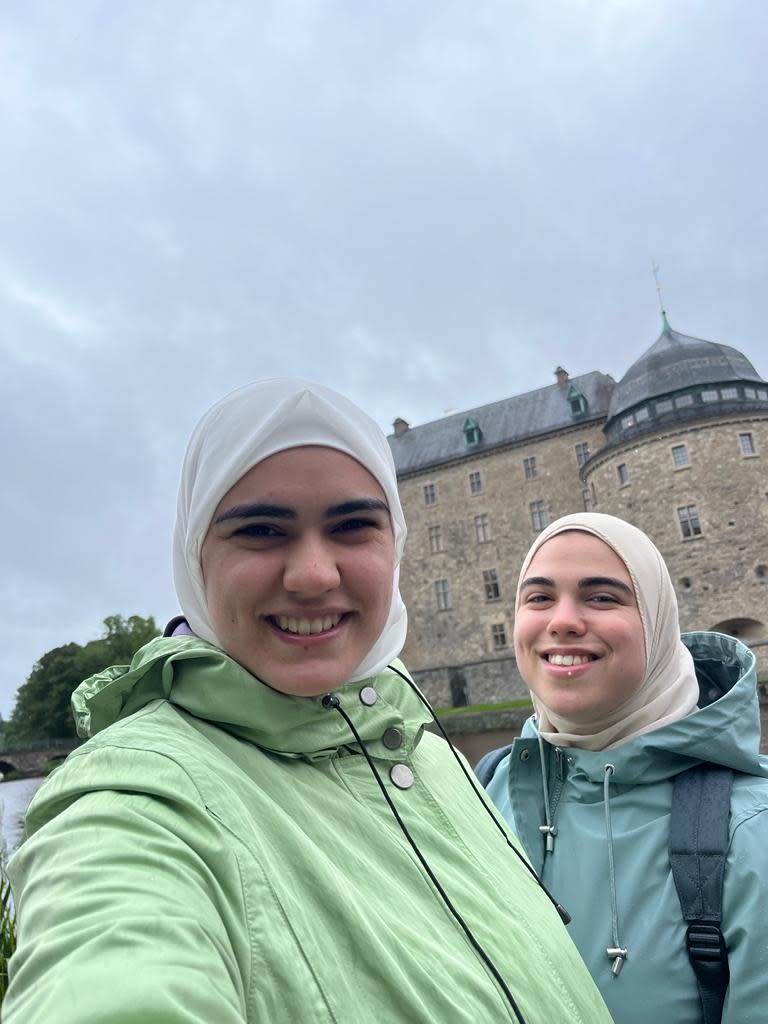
(745, 922)
(130, 909)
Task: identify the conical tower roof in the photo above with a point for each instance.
(677, 361)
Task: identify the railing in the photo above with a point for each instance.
(55, 743)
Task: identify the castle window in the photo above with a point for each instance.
(430, 494)
(690, 524)
(435, 539)
(710, 395)
(750, 393)
(576, 401)
(473, 435)
(582, 453)
(665, 405)
(594, 496)
(443, 594)
(683, 400)
(729, 393)
(499, 635)
(482, 528)
(623, 472)
(627, 422)
(529, 466)
(475, 483)
(539, 515)
(586, 497)
(680, 456)
(747, 444)
(642, 414)
(491, 584)
(762, 394)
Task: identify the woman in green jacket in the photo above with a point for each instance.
(624, 707)
(259, 828)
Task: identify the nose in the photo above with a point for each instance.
(311, 568)
(566, 618)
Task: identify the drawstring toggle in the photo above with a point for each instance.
(618, 955)
(550, 832)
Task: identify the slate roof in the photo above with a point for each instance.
(676, 361)
(512, 419)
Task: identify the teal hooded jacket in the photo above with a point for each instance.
(221, 853)
(656, 982)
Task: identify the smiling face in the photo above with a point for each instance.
(298, 565)
(578, 633)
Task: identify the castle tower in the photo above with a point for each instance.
(686, 460)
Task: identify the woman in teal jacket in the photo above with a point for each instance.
(259, 828)
(588, 787)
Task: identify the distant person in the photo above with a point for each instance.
(624, 708)
(260, 829)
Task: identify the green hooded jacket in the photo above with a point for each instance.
(656, 983)
(221, 853)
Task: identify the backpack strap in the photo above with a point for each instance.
(698, 847)
(488, 763)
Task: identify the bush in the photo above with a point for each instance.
(7, 931)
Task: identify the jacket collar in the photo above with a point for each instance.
(725, 729)
(199, 678)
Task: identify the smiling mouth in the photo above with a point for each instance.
(569, 659)
(305, 627)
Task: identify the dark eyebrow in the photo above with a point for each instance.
(537, 581)
(251, 511)
(606, 581)
(357, 505)
(584, 584)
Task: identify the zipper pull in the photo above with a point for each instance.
(550, 832)
(618, 955)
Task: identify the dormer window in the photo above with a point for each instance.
(576, 401)
(473, 435)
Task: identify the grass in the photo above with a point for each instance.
(503, 706)
(7, 932)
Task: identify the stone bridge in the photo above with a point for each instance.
(24, 760)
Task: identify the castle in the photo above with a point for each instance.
(679, 447)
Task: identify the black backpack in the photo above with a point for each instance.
(698, 847)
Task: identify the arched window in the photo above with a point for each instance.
(748, 630)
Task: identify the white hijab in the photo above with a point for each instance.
(669, 690)
(246, 427)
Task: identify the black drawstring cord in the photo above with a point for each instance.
(330, 700)
(565, 917)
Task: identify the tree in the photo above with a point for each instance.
(42, 707)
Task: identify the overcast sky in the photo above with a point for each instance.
(426, 205)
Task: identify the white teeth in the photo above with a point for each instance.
(307, 627)
(569, 659)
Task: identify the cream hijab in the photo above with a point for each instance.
(244, 428)
(669, 690)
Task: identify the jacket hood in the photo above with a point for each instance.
(199, 678)
(725, 729)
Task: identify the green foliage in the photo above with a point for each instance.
(42, 702)
(7, 931)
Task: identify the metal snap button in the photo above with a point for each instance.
(368, 696)
(525, 754)
(392, 738)
(401, 776)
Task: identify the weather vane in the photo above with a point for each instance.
(655, 268)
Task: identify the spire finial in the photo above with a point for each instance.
(664, 320)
